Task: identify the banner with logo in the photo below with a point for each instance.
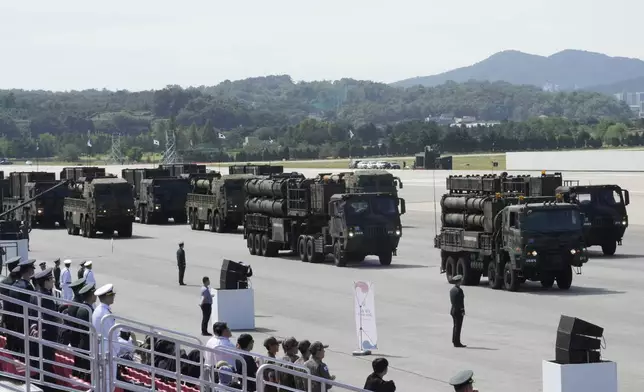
(365, 313)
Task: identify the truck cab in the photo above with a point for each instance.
(542, 241)
(604, 212)
(365, 224)
(229, 195)
(162, 198)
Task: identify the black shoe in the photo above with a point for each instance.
(459, 345)
(182, 284)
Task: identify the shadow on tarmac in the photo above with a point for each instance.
(572, 292)
(601, 256)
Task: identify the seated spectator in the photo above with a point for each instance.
(375, 382)
(317, 367)
(245, 342)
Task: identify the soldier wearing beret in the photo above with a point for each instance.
(81, 340)
(457, 298)
(463, 381)
(48, 324)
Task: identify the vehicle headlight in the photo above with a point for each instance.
(533, 253)
(398, 232)
(573, 251)
(624, 223)
(40, 210)
(351, 234)
(156, 207)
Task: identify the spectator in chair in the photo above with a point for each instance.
(245, 342)
(375, 380)
(272, 346)
(221, 339)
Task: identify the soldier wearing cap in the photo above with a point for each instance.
(66, 281)
(81, 339)
(181, 263)
(71, 310)
(25, 269)
(289, 346)
(88, 274)
(457, 298)
(462, 381)
(81, 271)
(272, 346)
(102, 324)
(317, 367)
(43, 266)
(11, 264)
(57, 274)
(49, 323)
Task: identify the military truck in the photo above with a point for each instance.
(157, 195)
(490, 227)
(370, 181)
(256, 170)
(102, 203)
(183, 169)
(76, 172)
(315, 217)
(604, 212)
(45, 211)
(217, 202)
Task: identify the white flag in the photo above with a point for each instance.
(191, 143)
(350, 134)
(222, 136)
(89, 143)
(156, 142)
(365, 315)
(37, 146)
(271, 141)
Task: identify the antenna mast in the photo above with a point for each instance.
(116, 156)
(170, 153)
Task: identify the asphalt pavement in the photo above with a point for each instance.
(508, 334)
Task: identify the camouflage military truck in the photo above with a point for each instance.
(99, 204)
(217, 202)
(509, 237)
(368, 181)
(43, 211)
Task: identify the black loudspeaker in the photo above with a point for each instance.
(578, 341)
(234, 275)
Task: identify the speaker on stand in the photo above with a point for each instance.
(578, 341)
(234, 275)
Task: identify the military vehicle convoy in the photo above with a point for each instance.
(158, 196)
(604, 211)
(315, 217)
(217, 202)
(369, 181)
(256, 170)
(505, 228)
(99, 203)
(45, 211)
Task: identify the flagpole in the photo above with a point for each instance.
(37, 153)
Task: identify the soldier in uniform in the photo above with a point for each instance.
(106, 295)
(289, 346)
(81, 271)
(49, 332)
(181, 263)
(43, 266)
(81, 340)
(16, 323)
(317, 367)
(71, 310)
(57, 274)
(462, 381)
(24, 231)
(11, 264)
(88, 274)
(66, 281)
(457, 298)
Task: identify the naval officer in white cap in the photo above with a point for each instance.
(89, 274)
(66, 280)
(103, 324)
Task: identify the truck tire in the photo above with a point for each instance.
(493, 279)
(385, 258)
(91, 229)
(219, 224)
(609, 248)
(547, 280)
(147, 219)
(263, 245)
(338, 255)
(463, 268)
(273, 249)
(83, 227)
(510, 278)
(301, 248)
(258, 244)
(564, 278)
(250, 243)
(211, 222)
(311, 255)
(125, 231)
(450, 268)
(193, 220)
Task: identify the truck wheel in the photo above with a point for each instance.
(385, 258)
(493, 278)
(463, 269)
(193, 220)
(564, 278)
(609, 248)
(250, 242)
(547, 280)
(83, 225)
(510, 278)
(338, 255)
(219, 227)
(272, 250)
(263, 245)
(211, 222)
(70, 226)
(311, 256)
(125, 231)
(450, 269)
(258, 244)
(91, 229)
(301, 248)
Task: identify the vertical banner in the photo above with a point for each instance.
(365, 313)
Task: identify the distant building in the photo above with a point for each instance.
(551, 87)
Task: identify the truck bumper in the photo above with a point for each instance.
(371, 246)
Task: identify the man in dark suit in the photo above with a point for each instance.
(375, 382)
(457, 298)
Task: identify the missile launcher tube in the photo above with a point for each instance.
(469, 204)
(272, 207)
(203, 184)
(476, 222)
(276, 188)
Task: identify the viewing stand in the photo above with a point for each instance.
(586, 377)
(235, 307)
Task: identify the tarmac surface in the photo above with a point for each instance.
(508, 334)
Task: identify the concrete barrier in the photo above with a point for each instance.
(585, 160)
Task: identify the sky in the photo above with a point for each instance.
(145, 44)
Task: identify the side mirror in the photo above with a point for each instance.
(400, 184)
(403, 209)
(627, 198)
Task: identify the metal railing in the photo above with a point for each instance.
(32, 357)
(315, 383)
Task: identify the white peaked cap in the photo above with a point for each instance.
(87, 263)
(67, 262)
(105, 290)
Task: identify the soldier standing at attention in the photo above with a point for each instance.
(45, 280)
(457, 298)
(89, 274)
(81, 339)
(181, 263)
(462, 381)
(66, 281)
(106, 296)
(11, 264)
(81, 271)
(57, 274)
(26, 270)
(25, 230)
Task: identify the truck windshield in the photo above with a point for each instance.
(602, 196)
(552, 220)
(377, 206)
(113, 192)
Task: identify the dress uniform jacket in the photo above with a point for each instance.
(89, 276)
(103, 328)
(16, 323)
(49, 332)
(81, 340)
(65, 281)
